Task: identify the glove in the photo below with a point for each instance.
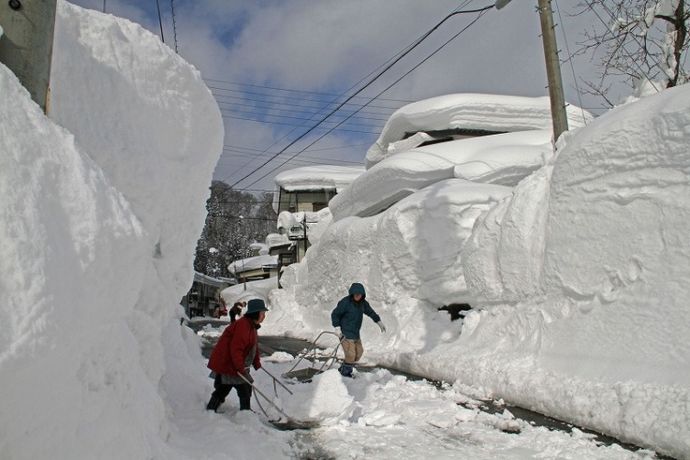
(337, 331)
(381, 326)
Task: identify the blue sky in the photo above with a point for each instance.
(273, 64)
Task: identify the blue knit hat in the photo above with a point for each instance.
(255, 306)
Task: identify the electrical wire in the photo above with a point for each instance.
(316, 93)
(481, 13)
(160, 21)
(369, 83)
(334, 100)
(174, 23)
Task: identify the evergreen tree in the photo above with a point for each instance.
(235, 220)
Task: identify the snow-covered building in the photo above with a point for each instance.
(482, 138)
(464, 115)
(301, 199)
(310, 188)
(254, 268)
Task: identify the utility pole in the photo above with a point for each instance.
(559, 116)
(26, 45)
(553, 69)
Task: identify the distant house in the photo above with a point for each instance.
(310, 188)
(301, 197)
(204, 295)
(254, 268)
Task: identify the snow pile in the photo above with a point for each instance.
(412, 248)
(488, 113)
(579, 272)
(97, 241)
(503, 159)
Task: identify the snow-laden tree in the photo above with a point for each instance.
(639, 42)
(235, 220)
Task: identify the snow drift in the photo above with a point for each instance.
(502, 159)
(97, 239)
(578, 279)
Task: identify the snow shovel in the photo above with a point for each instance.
(307, 373)
(288, 423)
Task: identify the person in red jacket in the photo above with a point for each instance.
(236, 350)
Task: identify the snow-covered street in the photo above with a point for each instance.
(524, 272)
(385, 416)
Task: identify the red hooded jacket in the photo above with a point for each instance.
(236, 342)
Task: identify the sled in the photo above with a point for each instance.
(285, 422)
(306, 374)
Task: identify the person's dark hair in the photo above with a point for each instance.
(254, 316)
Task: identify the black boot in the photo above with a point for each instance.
(213, 403)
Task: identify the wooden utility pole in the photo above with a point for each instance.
(26, 46)
(553, 69)
(559, 116)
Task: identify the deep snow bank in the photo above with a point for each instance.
(610, 259)
(580, 273)
(502, 159)
(99, 229)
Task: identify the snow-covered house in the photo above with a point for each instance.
(310, 188)
(461, 116)
(301, 200)
(254, 268)
(482, 138)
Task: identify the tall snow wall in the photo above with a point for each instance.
(578, 279)
(101, 210)
(582, 275)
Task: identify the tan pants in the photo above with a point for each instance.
(353, 350)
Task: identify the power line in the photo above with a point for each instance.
(293, 124)
(313, 159)
(174, 23)
(481, 13)
(294, 90)
(323, 161)
(342, 147)
(324, 107)
(265, 113)
(395, 61)
(246, 112)
(294, 109)
(160, 21)
(303, 105)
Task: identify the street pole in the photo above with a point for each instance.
(26, 46)
(559, 116)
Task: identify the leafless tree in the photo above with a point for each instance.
(636, 41)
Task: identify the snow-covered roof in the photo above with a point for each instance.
(474, 112)
(276, 239)
(251, 263)
(209, 280)
(318, 177)
(503, 159)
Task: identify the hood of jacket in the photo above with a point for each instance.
(357, 288)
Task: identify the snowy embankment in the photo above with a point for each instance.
(102, 207)
(580, 275)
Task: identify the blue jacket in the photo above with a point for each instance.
(348, 314)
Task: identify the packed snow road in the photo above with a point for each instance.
(380, 415)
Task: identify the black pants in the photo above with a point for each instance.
(222, 390)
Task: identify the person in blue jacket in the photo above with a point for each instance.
(347, 320)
